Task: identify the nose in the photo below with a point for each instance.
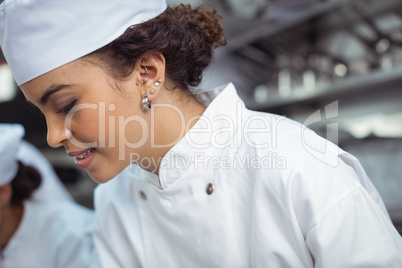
(57, 133)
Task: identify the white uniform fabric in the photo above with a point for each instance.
(70, 29)
(51, 188)
(51, 235)
(275, 206)
(10, 139)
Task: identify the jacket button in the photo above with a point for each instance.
(210, 188)
(143, 195)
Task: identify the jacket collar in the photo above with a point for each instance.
(205, 136)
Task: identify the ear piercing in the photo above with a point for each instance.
(157, 83)
(143, 81)
(146, 69)
(145, 103)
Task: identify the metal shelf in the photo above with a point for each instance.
(269, 28)
(254, 30)
(341, 88)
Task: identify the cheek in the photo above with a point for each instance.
(136, 131)
(116, 126)
(129, 123)
(85, 125)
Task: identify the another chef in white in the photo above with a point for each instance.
(51, 187)
(37, 234)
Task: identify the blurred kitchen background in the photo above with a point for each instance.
(291, 57)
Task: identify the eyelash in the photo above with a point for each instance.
(67, 108)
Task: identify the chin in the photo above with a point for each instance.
(104, 173)
(100, 178)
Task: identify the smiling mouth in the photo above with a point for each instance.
(84, 159)
(85, 154)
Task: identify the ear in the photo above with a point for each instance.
(151, 69)
(6, 193)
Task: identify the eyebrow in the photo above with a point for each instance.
(51, 90)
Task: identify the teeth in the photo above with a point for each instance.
(84, 155)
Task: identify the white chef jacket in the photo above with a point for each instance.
(51, 187)
(221, 202)
(51, 235)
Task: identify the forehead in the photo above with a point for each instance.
(75, 72)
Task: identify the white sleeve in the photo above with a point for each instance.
(69, 230)
(76, 252)
(363, 179)
(112, 237)
(103, 256)
(355, 233)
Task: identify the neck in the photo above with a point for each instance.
(174, 116)
(10, 219)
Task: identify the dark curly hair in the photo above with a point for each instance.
(25, 183)
(185, 36)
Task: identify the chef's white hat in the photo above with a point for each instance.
(38, 36)
(10, 139)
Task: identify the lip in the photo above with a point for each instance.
(85, 162)
(74, 154)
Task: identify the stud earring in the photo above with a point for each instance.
(145, 103)
(144, 80)
(158, 83)
(138, 82)
(152, 91)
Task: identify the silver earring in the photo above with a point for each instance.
(158, 83)
(138, 82)
(152, 91)
(146, 70)
(145, 102)
(144, 80)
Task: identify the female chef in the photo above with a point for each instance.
(186, 185)
(37, 234)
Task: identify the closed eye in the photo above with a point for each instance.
(67, 108)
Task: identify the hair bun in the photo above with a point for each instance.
(25, 183)
(206, 18)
